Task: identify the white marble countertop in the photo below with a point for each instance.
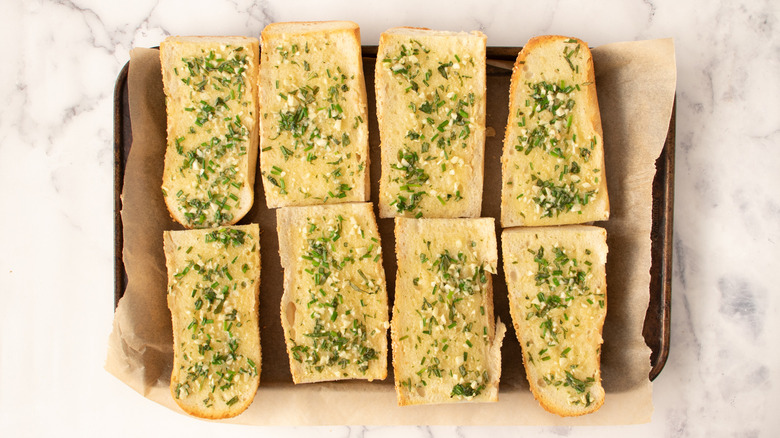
(56, 157)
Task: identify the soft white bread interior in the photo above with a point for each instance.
(558, 301)
(446, 344)
(210, 86)
(213, 283)
(430, 103)
(553, 159)
(334, 308)
(313, 114)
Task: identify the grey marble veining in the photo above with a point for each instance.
(56, 156)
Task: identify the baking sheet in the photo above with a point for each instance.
(636, 90)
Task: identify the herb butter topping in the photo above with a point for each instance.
(445, 331)
(433, 99)
(313, 124)
(208, 142)
(340, 298)
(564, 301)
(214, 287)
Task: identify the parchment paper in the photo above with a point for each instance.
(636, 86)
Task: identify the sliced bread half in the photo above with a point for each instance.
(430, 103)
(313, 115)
(210, 86)
(334, 307)
(446, 344)
(213, 282)
(558, 301)
(553, 159)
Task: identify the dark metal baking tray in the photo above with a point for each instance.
(657, 327)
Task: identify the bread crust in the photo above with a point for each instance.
(170, 54)
(309, 27)
(473, 185)
(510, 217)
(519, 241)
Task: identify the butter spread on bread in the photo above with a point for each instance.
(553, 159)
(558, 301)
(430, 94)
(334, 309)
(446, 345)
(211, 99)
(213, 281)
(313, 115)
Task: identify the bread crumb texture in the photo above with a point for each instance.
(430, 105)
(213, 278)
(211, 103)
(557, 291)
(314, 127)
(553, 160)
(334, 309)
